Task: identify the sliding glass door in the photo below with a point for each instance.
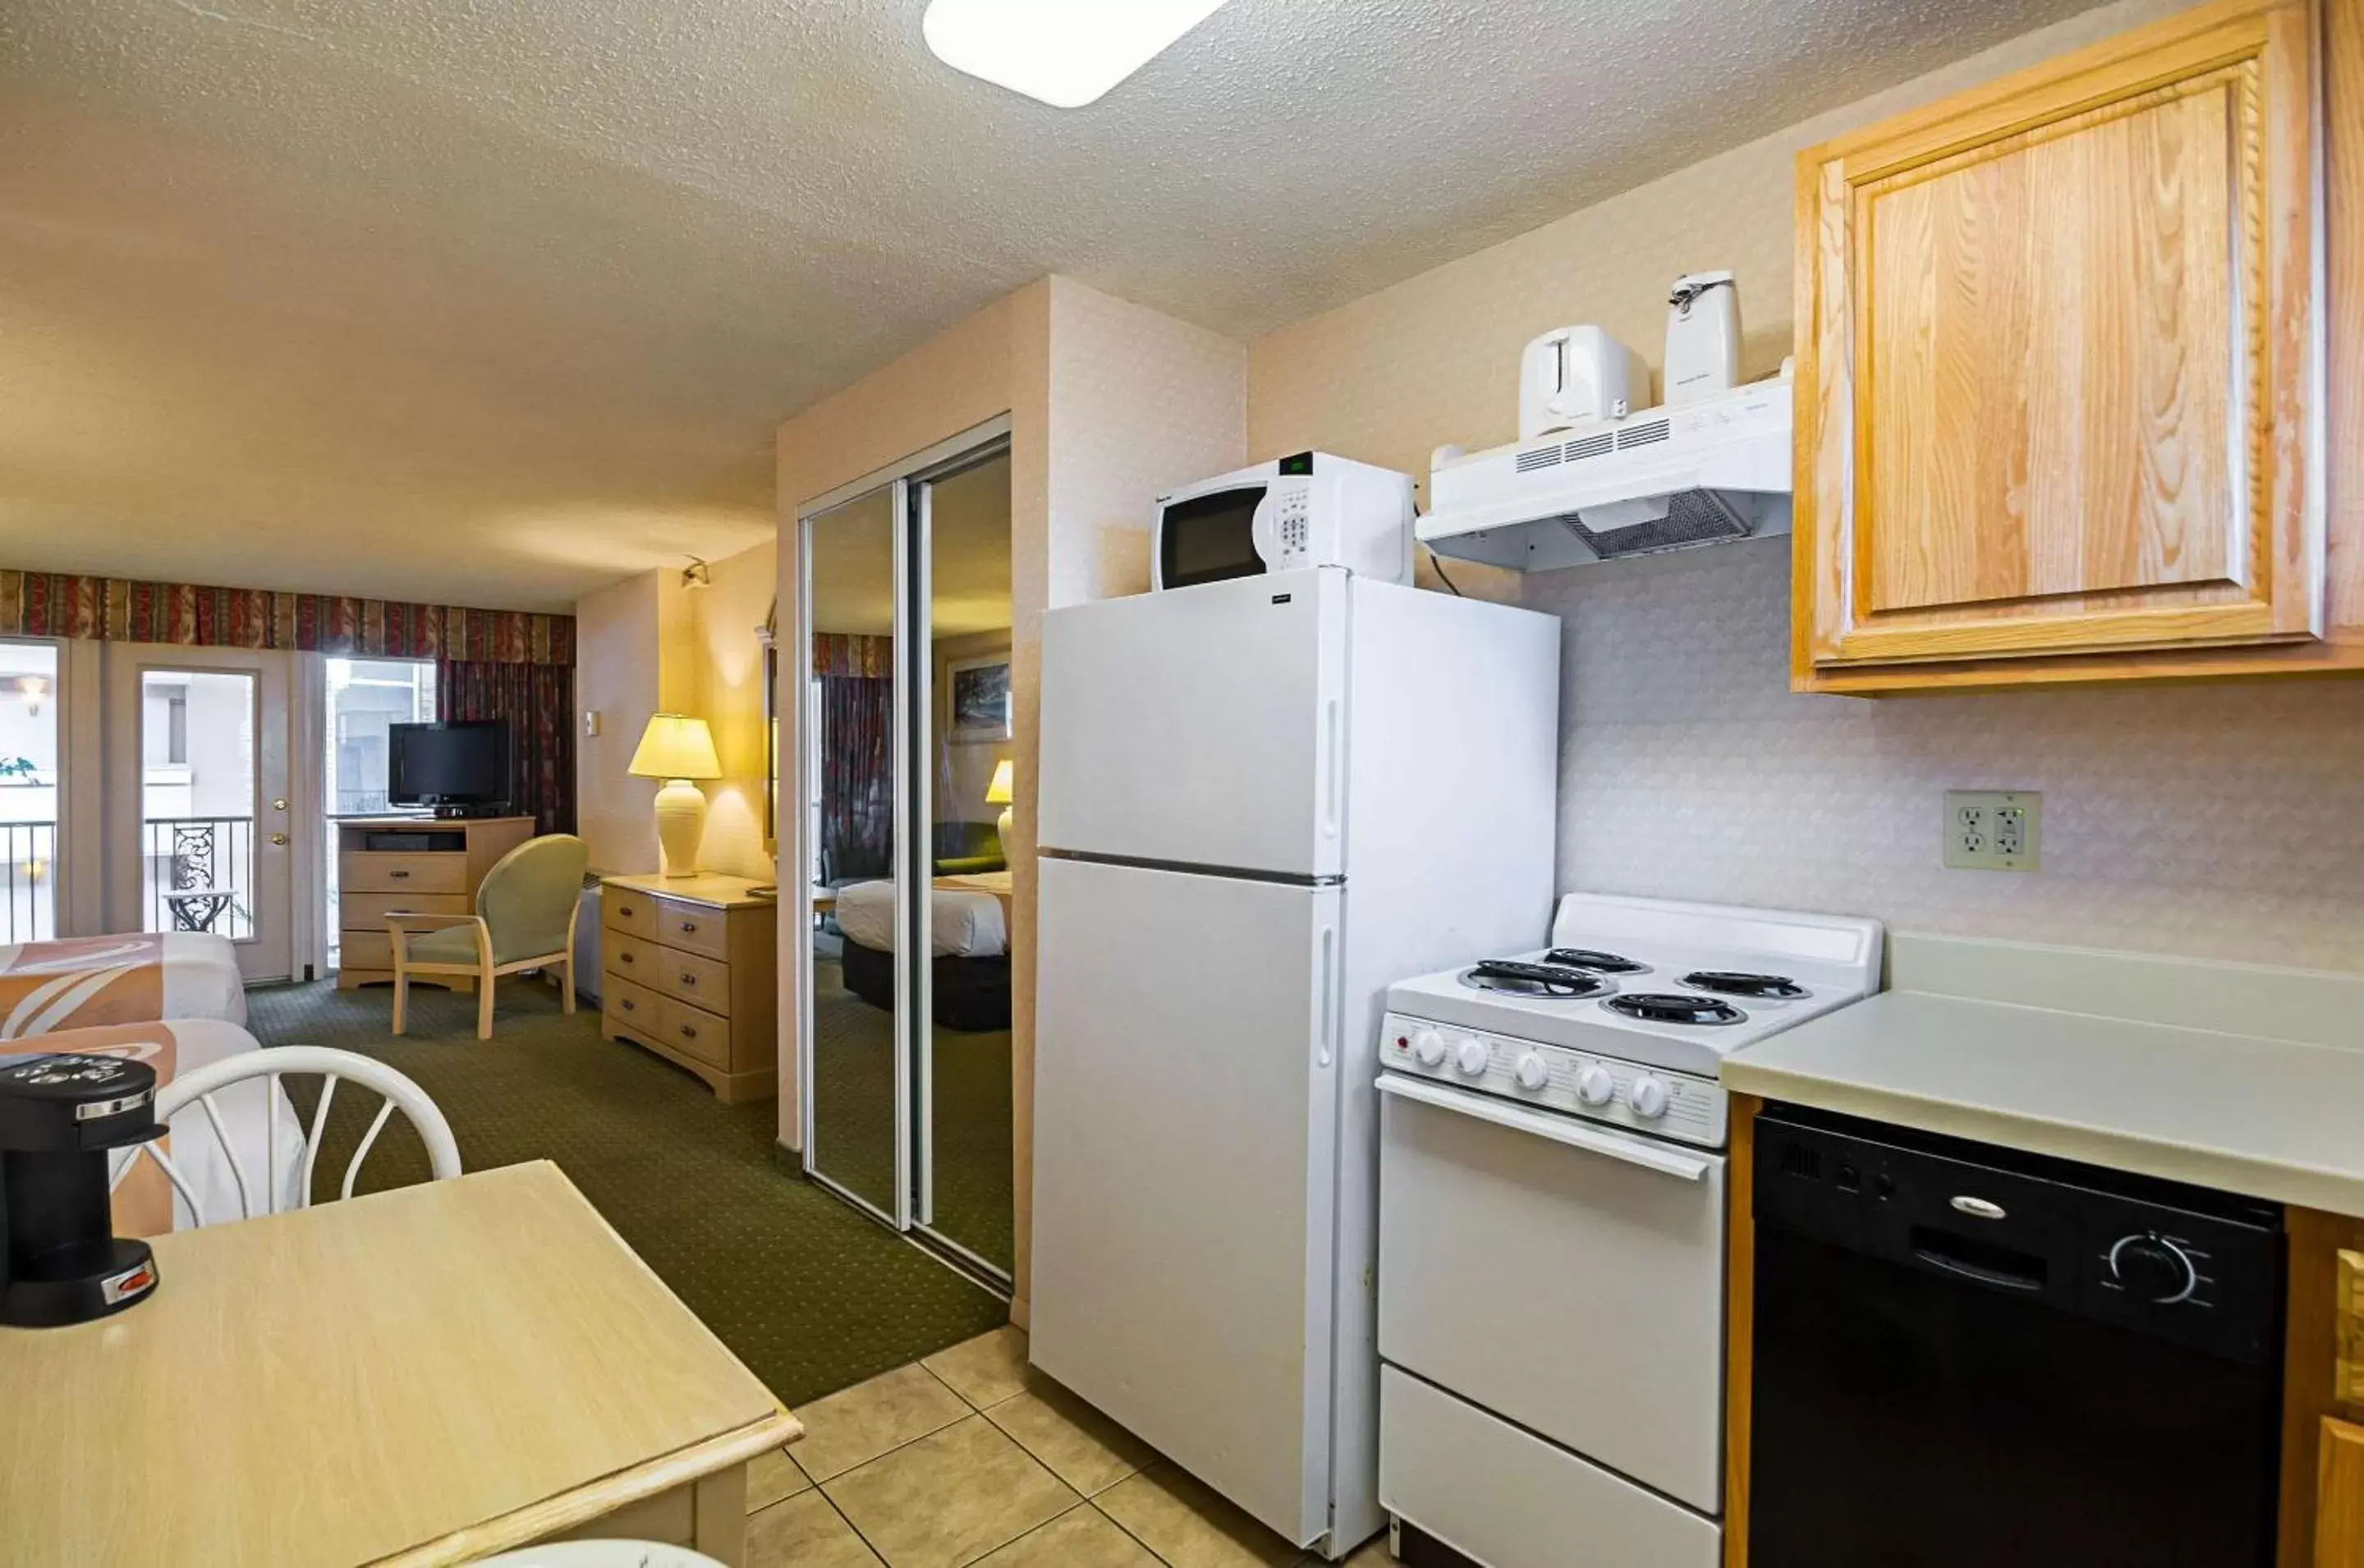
(906, 769)
(857, 1082)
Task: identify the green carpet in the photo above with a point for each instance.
(853, 1116)
(810, 1294)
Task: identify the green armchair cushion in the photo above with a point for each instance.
(527, 902)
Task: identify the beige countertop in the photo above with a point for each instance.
(2236, 1076)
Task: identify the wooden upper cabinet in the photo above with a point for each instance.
(2057, 345)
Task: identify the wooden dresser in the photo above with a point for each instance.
(689, 969)
(415, 864)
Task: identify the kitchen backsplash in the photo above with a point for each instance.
(2217, 821)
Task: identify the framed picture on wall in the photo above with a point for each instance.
(978, 701)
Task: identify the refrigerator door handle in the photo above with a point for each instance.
(1334, 765)
(1324, 1048)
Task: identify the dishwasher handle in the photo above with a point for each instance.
(1559, 1129)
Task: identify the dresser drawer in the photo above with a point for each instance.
(694, 1031)
(365, 871)
(637, 961)
(691, 977)
(692, 928)
(367, 911)
(620, 909)
(365, 949)
(635, 1006)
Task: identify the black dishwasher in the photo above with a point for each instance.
(1968, 1357)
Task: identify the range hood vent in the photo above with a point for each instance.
(1665, 479)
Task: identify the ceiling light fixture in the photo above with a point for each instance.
(1065, 52)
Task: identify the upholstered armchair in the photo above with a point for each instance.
(524, 919)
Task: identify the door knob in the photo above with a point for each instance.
(279, 805)
(279, 838)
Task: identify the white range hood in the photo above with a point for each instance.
(1664, 479)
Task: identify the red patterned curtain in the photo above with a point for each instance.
(857, 726)
(116, 609)
(538, 701)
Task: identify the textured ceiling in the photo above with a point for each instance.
(497, 301)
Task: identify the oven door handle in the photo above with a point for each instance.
(1559, 1129)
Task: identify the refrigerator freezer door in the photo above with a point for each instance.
(1186, 1076)
(1200, 726)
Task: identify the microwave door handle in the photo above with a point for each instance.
(1559, 1129)
(1263, 533)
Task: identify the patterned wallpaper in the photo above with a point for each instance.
(2222, 821)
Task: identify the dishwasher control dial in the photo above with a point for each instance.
(1595, 1087)
(1533, 1071)
(1648, 1097)
(1472, 1056)
(2153, 1268)
(1428, 1048)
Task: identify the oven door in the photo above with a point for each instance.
(1209, 538)
(1565, 1277)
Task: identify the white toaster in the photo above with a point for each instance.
(1571, 374)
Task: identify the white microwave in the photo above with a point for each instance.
(1311, 509)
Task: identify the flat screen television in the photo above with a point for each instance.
(449, 765)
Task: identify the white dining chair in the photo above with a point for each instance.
(200, 1086)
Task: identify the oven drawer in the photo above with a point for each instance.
(1511, 1500)
(1574, 1288)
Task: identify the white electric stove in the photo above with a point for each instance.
(1551, 1225)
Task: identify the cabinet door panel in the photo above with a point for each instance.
(2060, 330)
(2339, 1504)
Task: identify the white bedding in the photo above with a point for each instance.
(77, 982)
(960, 924)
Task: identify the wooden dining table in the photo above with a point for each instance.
(420, 1376)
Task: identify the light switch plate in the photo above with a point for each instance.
(1993, 829)
(590, 721)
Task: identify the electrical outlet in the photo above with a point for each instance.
(1993, 829)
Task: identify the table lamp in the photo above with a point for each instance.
(1000, 792)
(678, 749)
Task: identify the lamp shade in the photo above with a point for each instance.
(676, 745)
(1004, 787)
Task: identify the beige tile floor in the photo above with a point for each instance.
(970, 1456)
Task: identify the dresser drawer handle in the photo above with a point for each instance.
(630, 1006)
(690, 927)
(689, 1031)
(623, 958)
(687, 978)
(399, 875)
(624, 911)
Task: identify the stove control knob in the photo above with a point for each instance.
(2154, 1269)
(1595, 1087)
(1648, 1097)
(1428, 1048)
(1471, 1057)
(1533, 1071)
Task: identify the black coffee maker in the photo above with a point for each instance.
(61, 1261)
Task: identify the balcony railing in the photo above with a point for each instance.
(27, 882)
(198, 874)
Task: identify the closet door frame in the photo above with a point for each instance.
(914, 687)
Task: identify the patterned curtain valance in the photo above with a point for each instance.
(850, 653)
(115, 609)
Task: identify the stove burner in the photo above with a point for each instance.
(1768, 988)
(1546, 981)
(1672, 1007)
(1599, 962)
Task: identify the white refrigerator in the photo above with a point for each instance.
(1262, 801)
